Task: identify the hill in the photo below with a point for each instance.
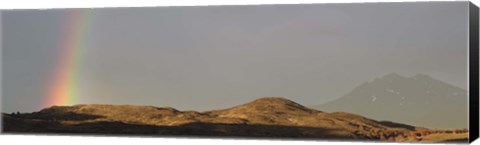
(270, 117)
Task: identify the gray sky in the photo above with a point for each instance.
(201, 58)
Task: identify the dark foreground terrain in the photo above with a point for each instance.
(270, 117)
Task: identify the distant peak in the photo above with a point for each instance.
(422, 76)
(393, 75)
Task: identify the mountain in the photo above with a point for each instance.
(420, 100)
(272, 117)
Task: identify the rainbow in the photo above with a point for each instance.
(64, 87)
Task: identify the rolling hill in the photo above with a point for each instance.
(269, 117)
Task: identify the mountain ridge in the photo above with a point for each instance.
(419, 99)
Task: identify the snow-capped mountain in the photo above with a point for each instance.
(419, 100)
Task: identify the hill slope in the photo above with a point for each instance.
(420, 100)
(265, 117)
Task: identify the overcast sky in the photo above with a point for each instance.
(201, 58)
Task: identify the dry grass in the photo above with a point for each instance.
(265, 117)
(445, 137)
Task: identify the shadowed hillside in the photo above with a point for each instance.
(271, 117)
